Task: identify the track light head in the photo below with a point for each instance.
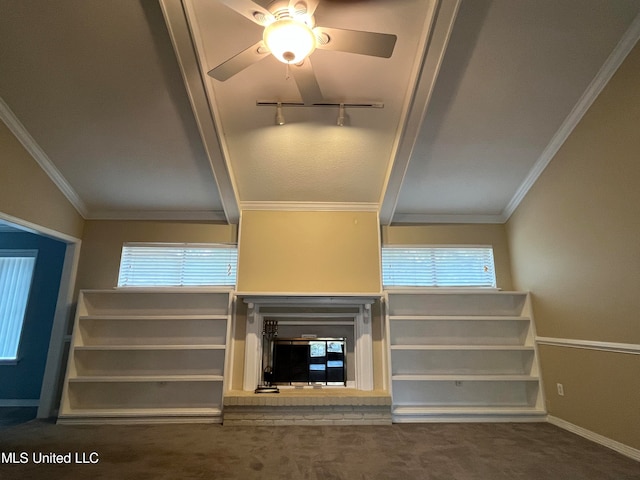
(279, 115)
(341, 116)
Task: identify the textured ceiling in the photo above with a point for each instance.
(112, 98)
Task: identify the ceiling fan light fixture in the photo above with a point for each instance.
(289, 40)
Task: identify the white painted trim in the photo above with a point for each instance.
(436, 33)
(314, 296)
(449, 290)
(54, 370)
(319, 300)
(213, 142)
(311, 206)
(364, 348)
(630, 348)
(595, 437)
(207, 215)
(54, 366)
(421, 218)
(471, 418)
(619, 53)
(252, 350)
(37, 229)
(19, 402)
(27, 141)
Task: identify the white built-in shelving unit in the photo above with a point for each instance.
(147, 355)
(463, 355)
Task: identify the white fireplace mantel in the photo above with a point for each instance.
(356, 308)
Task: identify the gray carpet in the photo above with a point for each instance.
(16, 415)
(417, 451)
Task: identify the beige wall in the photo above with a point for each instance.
(575, 244)
(309, 252)
(27, 192)
(475, 234)
(103, 240)
(601, 390)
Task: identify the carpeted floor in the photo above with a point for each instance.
(417, 451)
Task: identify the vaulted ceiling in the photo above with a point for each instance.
(114, 101)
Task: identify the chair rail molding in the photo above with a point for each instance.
(630, 348)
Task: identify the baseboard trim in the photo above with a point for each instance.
(595, 437)
(19, 402)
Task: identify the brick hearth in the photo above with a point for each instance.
(308, 406)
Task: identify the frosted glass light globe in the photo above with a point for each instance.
(290, 41)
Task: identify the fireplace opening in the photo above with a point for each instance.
(309, 361)
(298, 342)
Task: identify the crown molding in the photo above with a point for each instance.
(27, 141)
(610, 66)
(311, 206)
(420, 218)
(168, 215)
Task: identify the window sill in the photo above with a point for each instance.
(8, 361)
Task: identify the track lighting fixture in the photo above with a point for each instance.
(340, 121)
(279, 115)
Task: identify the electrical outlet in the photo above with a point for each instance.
(560, 389)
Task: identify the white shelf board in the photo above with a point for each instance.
(141, 412)
(465, 378)
(468, 318)
(460, 410)
(133, 347)
(145, 378)
(134, 317)
(500, 348)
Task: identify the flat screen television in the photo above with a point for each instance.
(309, 361)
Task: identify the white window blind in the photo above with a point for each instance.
(16, 273)
(438, 267)
(151, 265)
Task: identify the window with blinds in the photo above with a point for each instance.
(16, 273)
(438, 267)
(177, 265)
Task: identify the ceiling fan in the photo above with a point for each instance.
(290, 35)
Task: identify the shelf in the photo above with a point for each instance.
(454, 318)
(452, 303)
(467, 410)
(459, 356)
(501, 348)
(141, 416)
(147, 356)
(107, 348)
(170, 302)
(137, 317)
(150, 330)
(465, 378)
(402, 414)
(146, 378)
(143, 412)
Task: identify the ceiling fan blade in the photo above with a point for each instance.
(250, 9)
(307, 82)
(239, 62)
(309, 5)
(355, 41)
